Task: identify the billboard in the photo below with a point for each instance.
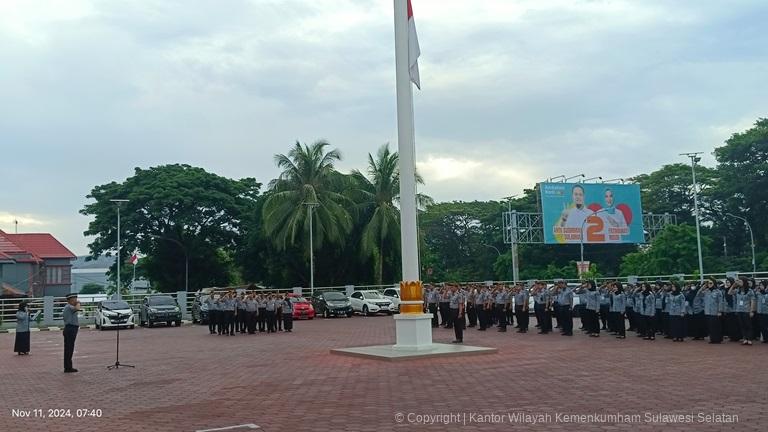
(594, 212)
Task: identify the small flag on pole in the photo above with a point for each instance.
(413, 48)
(134, 259)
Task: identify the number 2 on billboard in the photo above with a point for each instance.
(595, 227)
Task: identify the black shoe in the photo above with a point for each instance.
(73, 370)
(567, 334)
(457, 342)
(481, 329)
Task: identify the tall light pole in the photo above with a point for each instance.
(751, 238)
(310, 206)
(513, 238)
(694, 160)
(571, 178)
(186, 258)
(581, 233)
(118, 202)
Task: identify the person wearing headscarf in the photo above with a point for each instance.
(618, 308)
(713, 310)
(21, 345)
(677, 308)
(761, 297)
(649, 312)
(744, 308)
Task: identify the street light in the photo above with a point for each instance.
(551, 179)
(310, 206)
(694, 160)
(492, 247)
(117, 203)
(621, 180)
(186, 258)
(581, 233)
(591, 178)
(571, 178)
(751, 238)
(513, 238)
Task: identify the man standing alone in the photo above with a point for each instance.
(71, 326)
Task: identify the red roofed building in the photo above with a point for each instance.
(36, 264)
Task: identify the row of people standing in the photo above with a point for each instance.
(230, 313)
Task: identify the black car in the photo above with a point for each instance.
(332, 303)
(157, 309)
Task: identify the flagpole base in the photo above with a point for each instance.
(413, 332)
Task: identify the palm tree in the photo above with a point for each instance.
(377, 196)
(308, 180)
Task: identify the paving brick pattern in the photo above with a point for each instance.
(188, 380)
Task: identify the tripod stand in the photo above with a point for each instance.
(117, 364)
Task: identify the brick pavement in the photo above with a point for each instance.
(188, 380)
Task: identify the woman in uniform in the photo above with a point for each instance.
(649, 312)
(761, 297)
(21, 346)
(677, 307)
(744, 308)
(713, 310)
(618, 307)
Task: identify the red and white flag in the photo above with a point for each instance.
(134, 259)
(413, 48)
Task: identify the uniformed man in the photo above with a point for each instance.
(279, 312)
(501, 301)
(71, 326)
(433, 298)
(242, 320)
(271, 309)
(480, 303)
(470, 306)
(231, 310)
(287, 310)
(544, 300)
(213, 313)
(457, 304)
(251, 309)
(521, 308)
(261, 314)
(445, 313)
(566, 305)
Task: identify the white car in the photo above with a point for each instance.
(114, 314)
(393, 295)
(370, 302)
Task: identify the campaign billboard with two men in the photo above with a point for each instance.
(594, 212)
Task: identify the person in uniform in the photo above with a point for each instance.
(470, 307)
(433, 298)
(456, 304)
(261, 315)
(629, 298)
(242, 318)
(213, 313)
(605, 307)
(649, 311)
(618, 309)
(593, 309)
(544, 299)
(566, 311)
(286, 308)
(698, 328)
(480, 300)
(232, 313)
(251, 309)
(744, 308)
(21, 344)
(71, 326)
(676, 311)
(501, 302)
(271, 309)
(713, 310)
(521, 308)
(279, 312)
(445, 312)
(761, 298)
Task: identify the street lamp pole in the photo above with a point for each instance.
(751, 239)
(694, 159)
(186, 258)
(118, 202)
(513, 238)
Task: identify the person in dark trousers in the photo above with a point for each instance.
(231, 309)
(23, 316)
(698, 320)
(242, 317)
(676, 313)
(271, 314)
(251, 309)
(261, 315)
(470, 306)
(287, 311)
(713, 310)
(761, 297)
(617, 310)
(521, 308)
(480, 305)
(566, 305)
(649, 312)
(213, 313)
(433, 298)
(456, 304)
(501, 304)
(605, 308)
(744, 307)
(445, 311)
(71, 326)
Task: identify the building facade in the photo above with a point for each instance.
(35, 264)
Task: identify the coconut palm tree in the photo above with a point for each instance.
(308, 180)
(377, 196)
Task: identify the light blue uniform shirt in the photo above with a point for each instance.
(70, 315)
(593, 300)
(762, 302)
(649, 305)
(619, 303)
(742, 301)
(676, 304)
(713, 302)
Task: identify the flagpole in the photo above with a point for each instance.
(406, 147)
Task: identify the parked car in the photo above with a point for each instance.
(200, 309)
(393, 295)
(302, 308)
(332, 303)
(114, 314)
(370, 302)
(156, 309)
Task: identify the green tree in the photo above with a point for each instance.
(308, 179)
(673, 251)
(201, 211)
(376, 196)
(92, 288)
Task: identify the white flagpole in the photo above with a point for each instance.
(406, 143)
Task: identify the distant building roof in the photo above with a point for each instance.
(39, 245)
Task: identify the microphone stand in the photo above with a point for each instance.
(117, 364)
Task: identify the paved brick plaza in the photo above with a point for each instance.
(188, 380)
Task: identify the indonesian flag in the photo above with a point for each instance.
(134, 259)
(413, 48)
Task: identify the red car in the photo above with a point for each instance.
(302, 308)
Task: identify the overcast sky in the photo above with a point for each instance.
(513, 91)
